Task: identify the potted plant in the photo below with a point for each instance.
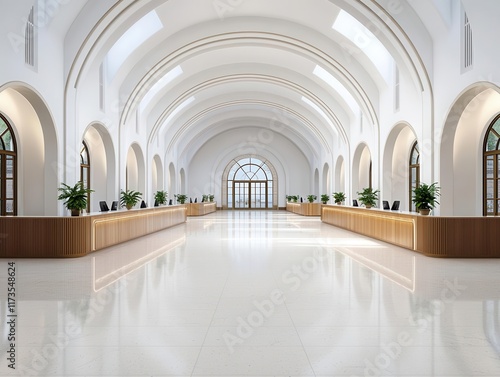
(311, 198)
(161, 197)
(211, 197)
(75, 198)
(181, 198)
(425, 197)
(324, 198)
(204, 198)
(339, 197)
(368, 197)
(129, 198)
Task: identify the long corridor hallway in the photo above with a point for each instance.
(254, 293)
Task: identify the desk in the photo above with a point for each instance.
(200, 209)
(435, 236)
(68, 237)
(305, 209)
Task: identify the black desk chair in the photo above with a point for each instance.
(386, 205)
(395, 205)
(104, 206)
(114, 205)
(355, 203)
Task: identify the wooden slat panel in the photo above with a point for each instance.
(456, 237)
(201, 209)
(304, 209)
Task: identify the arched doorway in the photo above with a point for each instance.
(8, 169)
(251, 184)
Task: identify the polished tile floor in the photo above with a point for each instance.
(262, 293)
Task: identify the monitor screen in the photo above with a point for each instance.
(104, 206)
(386, 205)
(355, 203)
(114, 205)
(395, 205)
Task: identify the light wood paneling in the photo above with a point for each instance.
(64, 237)
(457, 237)
(201, 209)
(304, 209)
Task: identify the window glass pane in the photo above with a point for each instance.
(496, 126)
(490, 206)
(491, 144)
(3, 126)
(10, 206)
(490, 188)
(10, 189)
(489, 167)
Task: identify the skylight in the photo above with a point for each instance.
(160, 84)
(366, 41)
(336, 85)
(319, 111)
(135, 36)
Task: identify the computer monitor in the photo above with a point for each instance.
(355, 203)
(170, 202)
(386, 205)
(143, 204)
(156, 203)
(395, 205)
(104, 206)
(114, 205)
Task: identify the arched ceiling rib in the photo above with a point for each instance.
(255, 39)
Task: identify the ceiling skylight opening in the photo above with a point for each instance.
(366, 41)
(135, 36)
(320, 112)
(159, 85)
(336, 85)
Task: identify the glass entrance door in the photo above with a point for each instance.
(250, 195)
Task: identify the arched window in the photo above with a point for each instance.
(491, 172)
(8, 169)
(414, 173)
(85, 170)
(250, 185)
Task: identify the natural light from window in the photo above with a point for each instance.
(366, 41)
(336, 85)
(159, 85)
(135, 36)
(177, 110)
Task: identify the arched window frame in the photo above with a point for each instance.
(491, 169)
(7, 155)
(413, 171)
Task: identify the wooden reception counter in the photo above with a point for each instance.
(448, 237)
(200, 209)
(305, 209)
(68, 237)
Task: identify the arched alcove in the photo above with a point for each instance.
(340, 175)
(182, 181)
(396, 162)
(172, 182)
(135, 170)
(461, 174)
(157, 180)
(315, 190)
(361, 169)
(326, 185)
(102, 164)
(37, 147)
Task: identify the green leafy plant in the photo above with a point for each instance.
(211, 197)
(161, 197)
(368, 197)
(75, 198)
(181, 198)
(339, 197)
(311, 198)
(129, 198)
(204, 198)
(325, 198)
(425, 196)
